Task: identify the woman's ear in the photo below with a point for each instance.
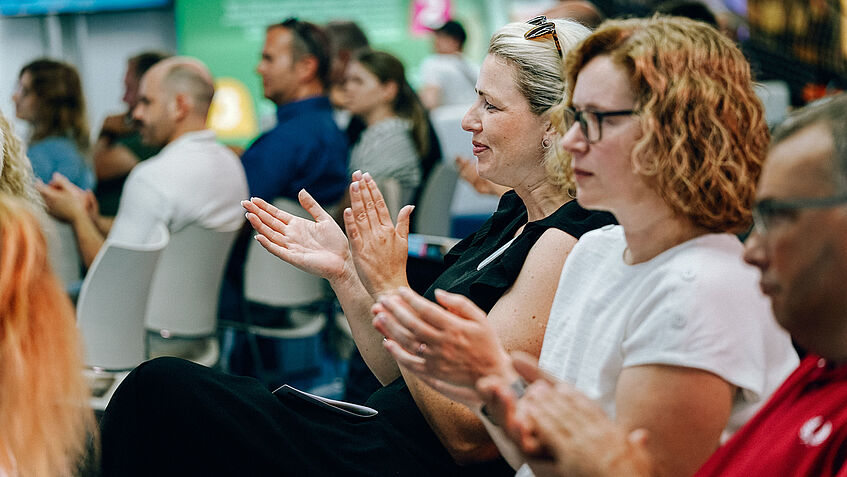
(390, 90)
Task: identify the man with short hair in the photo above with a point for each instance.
(193, 180)
(800, 245)
(119, 147)
(305, 150)
(447, 78)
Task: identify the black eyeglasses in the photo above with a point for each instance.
(768, 213)
(591, 122)
(543, 28)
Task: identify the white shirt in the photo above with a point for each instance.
(194, 179)
(695, 305)
(453, 75)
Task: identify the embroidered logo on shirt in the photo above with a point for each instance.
(814, 432)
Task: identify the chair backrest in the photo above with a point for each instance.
(113, 302)
(63, 251)
(184, 294)
(454, 141)
(271, 281)
(432, 214)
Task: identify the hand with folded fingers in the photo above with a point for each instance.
(379, 248)
(449, 347)
(553, 420)
(318, 247)
(64, 200)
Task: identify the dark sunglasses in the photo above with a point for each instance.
(543, 29)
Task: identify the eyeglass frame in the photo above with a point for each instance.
(543, 28)
(766, 210)
(578, 117)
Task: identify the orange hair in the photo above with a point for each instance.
(704, 132)
(45, 421)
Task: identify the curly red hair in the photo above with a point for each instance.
(704, 132)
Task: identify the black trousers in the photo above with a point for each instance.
(173, 417)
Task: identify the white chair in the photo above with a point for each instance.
(111, 309)
(273, 282)
(63, 251)
(432, 214)
(454, 141)
(182, 309)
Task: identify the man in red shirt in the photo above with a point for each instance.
(800, 245)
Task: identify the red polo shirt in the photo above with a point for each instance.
(801, 431)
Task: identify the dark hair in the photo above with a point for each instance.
(829, 112)
(688, 9)
(145, 60)
(345, 35)
(309, 39)
(454, 30)
(60, 105)
(387, 68)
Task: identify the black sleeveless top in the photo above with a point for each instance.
(484, 287)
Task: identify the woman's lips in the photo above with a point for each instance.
(478, 147)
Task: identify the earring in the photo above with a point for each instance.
(546, 143)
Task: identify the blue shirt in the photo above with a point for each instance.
(59, 154)
(305, 150)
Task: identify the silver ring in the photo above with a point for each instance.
(421, 349)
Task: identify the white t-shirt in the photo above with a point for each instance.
(696, 305)
(453, 75)
(194, 179)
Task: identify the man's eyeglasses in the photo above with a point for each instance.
(591, 122)
(770, 212)
(543, 29)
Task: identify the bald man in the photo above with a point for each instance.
(194, 180)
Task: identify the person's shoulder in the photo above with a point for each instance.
(55, 145)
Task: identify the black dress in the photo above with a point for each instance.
(172, 417)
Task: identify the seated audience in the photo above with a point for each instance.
(800, 431)
(45, 422)
(222, 424)
(658, 319)
(194, 180)
(346, 41)
(396, 136)
(119, 147)
(49, 98)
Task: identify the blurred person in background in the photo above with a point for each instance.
(49, 98)
(119, 146)
(193, 180)
(346, 41)
(397, 132)
(446, 76)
